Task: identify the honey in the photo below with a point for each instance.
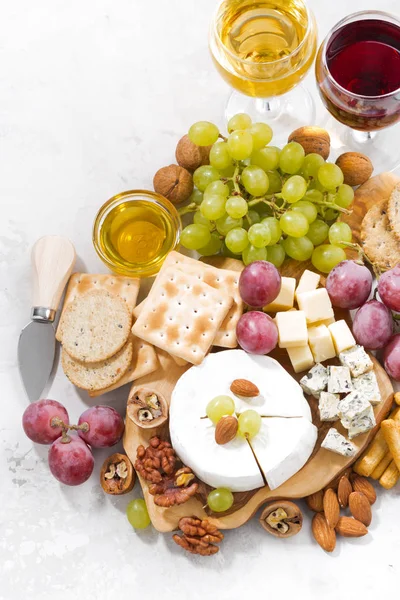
(134, 232)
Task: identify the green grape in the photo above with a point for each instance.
(255, 180)
(311, 165)
(262, 135)
(294, 189)
(237, 240)
(259, 235)
(195, 236)
(318, 232)
(203, 133)
(239, 121)
(240, 144)
(251, 253)
(220, 500)
(340, 232)
(294, 223)
(137, 514)
(313, 196)
(252, 217)
(226, 252)
(344, 196)
(249, 423)
(213, 208)
(291, 158)
(326, 257)
(274, 229)
(266, 158)
(276, 255)
(220, 157)
(226, 223)
(308, 209)
(228, 172)
(330, 214)
(315, 185)
(236, 207)
(213, 246)
(218, 407)
(298, 248)
(275, 182)
(216, 188)
(203, 176)
(196, 197)
(200, 220)
(330, 176)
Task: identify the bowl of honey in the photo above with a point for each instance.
(134, 231)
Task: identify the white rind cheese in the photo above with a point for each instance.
(315, 381)
(339, 380)
(336, 442)
(367, 385)
(357, 360)
(329, 406)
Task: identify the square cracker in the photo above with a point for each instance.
(81, 283)
(182, 315)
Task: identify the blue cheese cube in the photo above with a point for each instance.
(328, 406)
(315, 381)
(336, 442)
(363, 423)
(357, 360)
(367, 385)
(339, 380)
(353, 406)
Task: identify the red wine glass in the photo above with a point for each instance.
(358, 77)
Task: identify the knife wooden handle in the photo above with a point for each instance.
(53, 258)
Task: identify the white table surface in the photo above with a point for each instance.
(94, 95)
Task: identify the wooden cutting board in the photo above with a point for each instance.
(321, 469)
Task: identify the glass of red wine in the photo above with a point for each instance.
(358, 76)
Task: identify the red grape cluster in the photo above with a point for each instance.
(70, 457)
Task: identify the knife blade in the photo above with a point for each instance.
(53, 258)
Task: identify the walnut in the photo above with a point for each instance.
(282, 519)
(357, 168)
(146, 408)
(117, 475)
(175, 489)
(157, 458)
(199, 537)
(313, 139)
(191, 157)
(174, 183)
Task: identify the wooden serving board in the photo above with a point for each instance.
(320, 470)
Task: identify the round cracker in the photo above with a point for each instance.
(98, 375)
(380, 244)
(394, 211)
(95, 326)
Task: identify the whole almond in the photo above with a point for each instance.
(331, 508)
(323, 534)
(315, 501)
(360, 508)
(361, 484)
(245, 388)
(344, 491)
(226, 430)
(349, 527)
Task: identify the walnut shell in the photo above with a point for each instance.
(117, 475)
(313, 139)
(191, 157)
(357, 168)
(147, 408)
(174, 183)
(282, 519)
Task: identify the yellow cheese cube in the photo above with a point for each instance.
(301, 358)
(341, 335)
(292, 329)
(285, 298)
(321, 344)
(326, 322)
(316, 305)
(308, 282)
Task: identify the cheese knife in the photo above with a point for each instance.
(53, 258)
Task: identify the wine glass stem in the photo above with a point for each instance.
(363, 137)
(270, 107)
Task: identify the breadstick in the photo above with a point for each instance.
(376, 451)
(397, 398)
(390, 476)
(381, 468)
(391, 433)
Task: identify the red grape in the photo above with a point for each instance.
(36, 421)
(257, 333)
(259, 284)
(389, 288)
(373, 325)
(349, 284)
(391, 357)
(106, 426)
(71, 462)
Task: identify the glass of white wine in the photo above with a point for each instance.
(264, 49)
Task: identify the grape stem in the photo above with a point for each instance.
(332, 205)
(65, 438)
(363, 257)
(188, 209)
(222, 137)
(269, 201)
(236, 180)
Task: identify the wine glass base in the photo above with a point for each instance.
(382, 147)
(283, 113)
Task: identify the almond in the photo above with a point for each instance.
(361, 484)
(315, 501)
(323, 534)
(344, 491)
(331, 508)
(360, 508)
(245, 388)
(349, 527)
(226, 430)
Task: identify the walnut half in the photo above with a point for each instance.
(117, 475)
(282, 519)
(147, 408)
(199, 537)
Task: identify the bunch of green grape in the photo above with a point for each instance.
(258, 202)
